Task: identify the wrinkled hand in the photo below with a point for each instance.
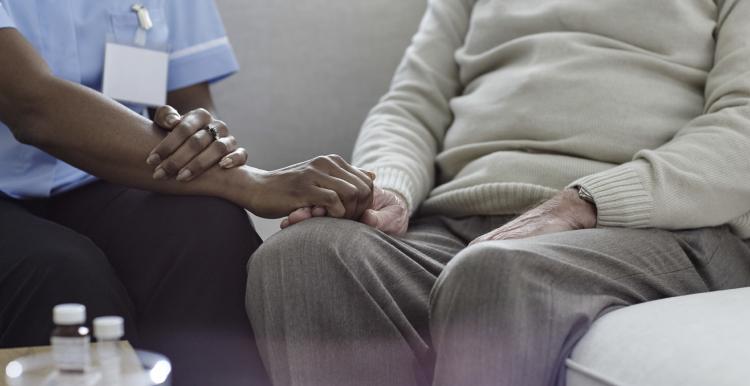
(190, 149)
(388, 213)
(327, 182)
(564, 212)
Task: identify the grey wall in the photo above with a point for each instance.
(311, 70)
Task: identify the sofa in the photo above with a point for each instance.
(311, 70)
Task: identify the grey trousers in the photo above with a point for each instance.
(334, 302)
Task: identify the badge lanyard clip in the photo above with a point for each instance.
(144, 23)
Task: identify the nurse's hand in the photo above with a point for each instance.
(327, 182)
(190, 148)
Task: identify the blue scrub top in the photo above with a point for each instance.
(71, 35)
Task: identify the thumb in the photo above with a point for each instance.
(299, 215)
(369, 174)
(167, 117)
(319, 211)
(371, 218)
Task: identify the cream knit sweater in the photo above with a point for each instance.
(499, 104)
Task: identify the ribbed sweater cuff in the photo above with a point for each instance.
(620, 197)
(399, 182)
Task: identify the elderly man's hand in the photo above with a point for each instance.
(388, 213)
(564, 212)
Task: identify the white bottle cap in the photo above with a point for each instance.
(109, 328)
(69, 314)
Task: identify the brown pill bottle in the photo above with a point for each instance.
(70, 338)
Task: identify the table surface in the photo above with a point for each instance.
(8, 355)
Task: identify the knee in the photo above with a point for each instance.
(218, 211)
(491, 259)
(218, 220)
(309, 243)
(216, 234)
(487, 269)
(319, 248)
(64, 268)
(65, 256)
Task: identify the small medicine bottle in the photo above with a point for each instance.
(108, 330)
(70, 338)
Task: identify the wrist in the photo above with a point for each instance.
(398, 195)
(583, 212)
(240, 185)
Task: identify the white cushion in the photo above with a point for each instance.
(696, 340)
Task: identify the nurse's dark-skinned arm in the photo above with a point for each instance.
(100, 136)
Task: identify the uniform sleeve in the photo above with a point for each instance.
(701, 177)
(199, 48)
(5, 20)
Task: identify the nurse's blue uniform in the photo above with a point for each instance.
(71, 35)
(174, 267)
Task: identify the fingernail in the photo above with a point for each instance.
(160, 174)
(372, 175)
(225, 163)
(153, 159)
(172, 119)
(184, 175)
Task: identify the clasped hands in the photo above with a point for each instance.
(323, 186)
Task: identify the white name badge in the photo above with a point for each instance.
(135, 75)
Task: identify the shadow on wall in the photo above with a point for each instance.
(311, 70)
